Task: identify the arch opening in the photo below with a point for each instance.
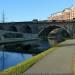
(13, 28)
(44, 32)
(27, 29)
(1, 28)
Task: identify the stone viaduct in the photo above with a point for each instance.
(36, 26)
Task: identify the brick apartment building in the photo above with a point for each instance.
(66, 14)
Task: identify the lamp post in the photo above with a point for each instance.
(3, 17)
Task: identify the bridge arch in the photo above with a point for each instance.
(26, 29)
(1, 28)
(44, 32)
(12, 28)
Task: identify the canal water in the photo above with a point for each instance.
(9, 59)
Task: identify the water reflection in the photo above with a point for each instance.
(8, 59)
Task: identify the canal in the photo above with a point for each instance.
(9, 59)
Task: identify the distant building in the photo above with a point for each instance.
(66, 14)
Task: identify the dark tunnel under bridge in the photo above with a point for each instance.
(44, 32)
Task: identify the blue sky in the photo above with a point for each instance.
(25, 10)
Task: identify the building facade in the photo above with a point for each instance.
(66, 14)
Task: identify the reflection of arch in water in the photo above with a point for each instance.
(27, 47)
(1, 28)
(27, 29)
(12, 28)
(44, 32)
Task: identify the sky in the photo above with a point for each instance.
(27, 10)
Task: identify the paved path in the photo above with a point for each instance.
(60, 61)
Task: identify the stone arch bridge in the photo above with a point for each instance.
(35, 26)
(40, 28)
